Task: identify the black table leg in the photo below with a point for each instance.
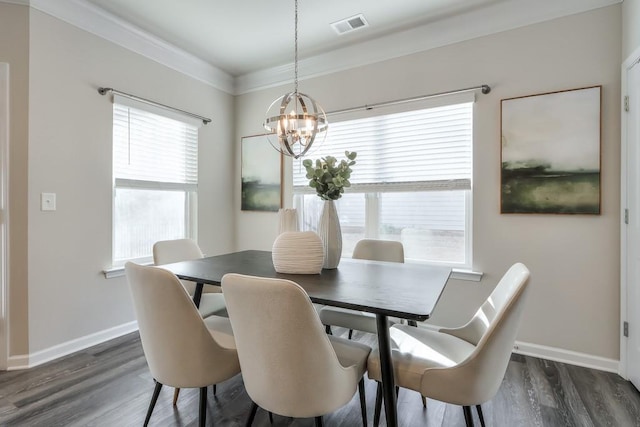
(386, 368)
(197, 295)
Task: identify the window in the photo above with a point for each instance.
(155, 170)
(411, 182)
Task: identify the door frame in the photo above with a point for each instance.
(626, 66)
(4, 214)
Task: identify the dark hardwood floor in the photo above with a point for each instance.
(110, 385)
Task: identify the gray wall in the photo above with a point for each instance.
(630, 27)
(70, 154)
(14, 50)
(61, 142)
(574, 301)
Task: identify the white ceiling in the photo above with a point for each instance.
(244, 36)
(240, 46)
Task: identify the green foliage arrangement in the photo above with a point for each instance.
(329, 177)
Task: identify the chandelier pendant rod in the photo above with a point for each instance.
(295, 53)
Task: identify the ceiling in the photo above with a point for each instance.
(239, 46)
(245, 36)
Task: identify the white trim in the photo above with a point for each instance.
(566, 356)
(155, 185)
(468, 275)
(4, 214)
(553, 353)
(39, 357)
(626, 65)
(95, 20)
(499, 17)
(18, 2)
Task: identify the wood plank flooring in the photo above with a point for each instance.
(110, 385)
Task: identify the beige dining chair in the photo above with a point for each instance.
(372, 250)
(289, 365)
(181, 348)
(211, 301)
(169, 251)
(463, 366)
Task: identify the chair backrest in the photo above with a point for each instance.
(478, 377)
(379, 250)
(168, 251)
(179, 348)
(288, 364)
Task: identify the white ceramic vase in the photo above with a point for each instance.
(330, 234)
(297, 252)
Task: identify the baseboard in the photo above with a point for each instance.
(567, 356)
(43, 356)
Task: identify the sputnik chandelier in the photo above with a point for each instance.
(295, 120)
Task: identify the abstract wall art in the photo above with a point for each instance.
(261, 175)
(551, 152)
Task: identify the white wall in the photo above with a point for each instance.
(630, 27)
(70, 128)
(574, 259)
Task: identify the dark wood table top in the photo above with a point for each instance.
(409, 291)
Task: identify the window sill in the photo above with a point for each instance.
(471, 276)
(113, 272)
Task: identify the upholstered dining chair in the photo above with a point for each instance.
(169, 251)
(181, 348)
(463, 366)
(211, 301)
(368, 249)
(289, 365)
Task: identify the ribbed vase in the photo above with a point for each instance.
(330, 234)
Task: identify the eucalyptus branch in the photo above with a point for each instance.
(328, 176)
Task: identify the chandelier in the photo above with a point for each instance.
(295, 120)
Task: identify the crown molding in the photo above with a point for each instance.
(493, 19)
(502, 16)
(18, 2)
(88, 17)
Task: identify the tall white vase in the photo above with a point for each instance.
(330, 234)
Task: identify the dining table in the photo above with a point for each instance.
(404, 290)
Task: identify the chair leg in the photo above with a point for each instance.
(350, 333)
(424, 401)
(363, 402)
(252, 414)
(327, 329)
(270, 417)
(412, 323)
(378, 409)
(176, 393)
(214, 389)
(479, 409)
(318, 421)
(468, 418)
(203, 406)
(154, 398)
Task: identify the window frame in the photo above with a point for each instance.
(190, 190)
(372, 198)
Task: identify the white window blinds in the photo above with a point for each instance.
(152, 148)
(155, 170)
(421, 150)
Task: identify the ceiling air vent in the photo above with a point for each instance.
(350, 24)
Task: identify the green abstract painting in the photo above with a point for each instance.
(261, 175)
(551, 153)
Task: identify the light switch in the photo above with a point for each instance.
(48, 201)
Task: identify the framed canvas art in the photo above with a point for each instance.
(551, 152)
(261, 175)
